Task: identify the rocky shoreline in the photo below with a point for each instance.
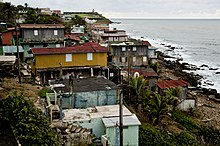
(207, 100)
(194, 79)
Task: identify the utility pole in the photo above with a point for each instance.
(121, 118)
(129, 71)
(18, 55)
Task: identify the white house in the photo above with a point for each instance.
(103, 122)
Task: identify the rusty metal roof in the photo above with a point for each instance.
(41, 26)
(171, 84)
(146, 72)
(72, 37)
(88, 47)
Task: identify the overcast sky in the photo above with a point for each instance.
(134, 8)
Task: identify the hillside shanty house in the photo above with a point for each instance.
(185, 102)
(71, 40)
(8, 37)
(84, 92)
(123, 53)
(113, 36)
(104, 121)
(51, 63)
(41, 35)
(149, 74)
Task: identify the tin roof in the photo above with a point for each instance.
(171, 84)
(88, 47)
(84, 85)
(146, 72)
(127, 121)
(41, 26)
(72, 37)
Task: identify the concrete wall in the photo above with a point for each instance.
(130, 135)
(186, 104)
(89, 99)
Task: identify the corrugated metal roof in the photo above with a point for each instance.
(146, 72)
(12, 49)
(85, 85)
(127, 121)
(171, 84)
(72, 37)
(88, 47)
(41, 26)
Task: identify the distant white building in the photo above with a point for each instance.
(77, 29)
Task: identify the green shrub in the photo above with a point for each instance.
(150, 136)
(43, 91)
(185, 139)
(185, 121)
(210, 135)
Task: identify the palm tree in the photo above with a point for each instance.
(138, 86)
(157, 108)
(172, 95)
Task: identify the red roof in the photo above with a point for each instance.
(72, 37)
(88, 47)
(147, 72)
(171, 84)
(146, 43)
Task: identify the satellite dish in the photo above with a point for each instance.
(136, 74)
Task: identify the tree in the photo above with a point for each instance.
(172, 95)
(157, 108)
(28, 123)
(138, 87)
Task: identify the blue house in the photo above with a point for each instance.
(84, 92)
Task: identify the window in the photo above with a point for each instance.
(111, 74)
(55, 32)
(144, 59)
(68, 57)
(123, 59)
(123, 48)
(89, 56)
(134, 48)
(57, 45)
(134, 59)
(35, 32)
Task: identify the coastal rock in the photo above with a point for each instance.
(213, 68)
(168, 46)
(204, 65)
(217, 73)
(172, 48)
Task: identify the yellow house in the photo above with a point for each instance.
(90, 55)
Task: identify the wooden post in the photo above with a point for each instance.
(18, 55)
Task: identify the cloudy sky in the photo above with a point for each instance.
(134, 8)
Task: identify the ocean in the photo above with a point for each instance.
(197, 42)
